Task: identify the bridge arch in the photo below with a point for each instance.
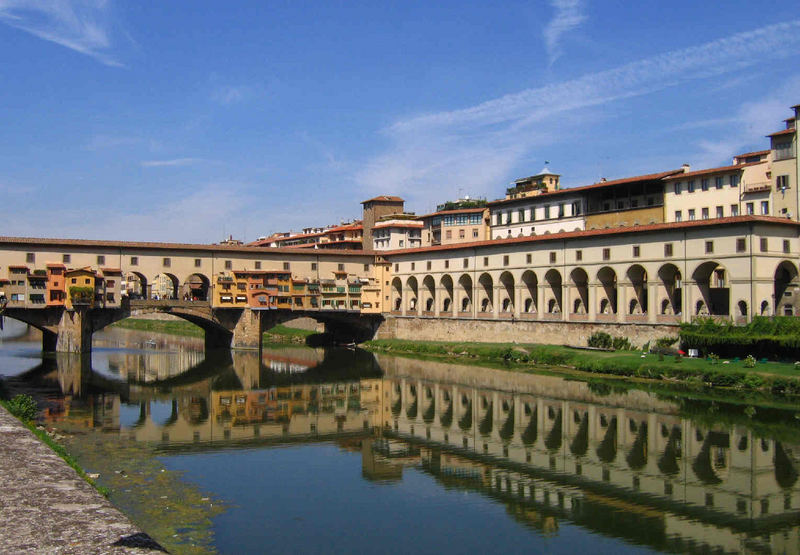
(164, 286)
(196, 287)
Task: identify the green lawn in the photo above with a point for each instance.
(781, 377)
(182, 327)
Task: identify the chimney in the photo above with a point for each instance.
(686, 168)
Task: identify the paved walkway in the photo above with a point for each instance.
(45, 507)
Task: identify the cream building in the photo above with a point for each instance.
(659, 273)
(395, 232)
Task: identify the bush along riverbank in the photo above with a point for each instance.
(773, 338)
(781, 378)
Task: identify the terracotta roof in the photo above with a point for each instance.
(346, 227)
(383, 198)
(456, 211)
(134, 245)
(756, 153)
(54, 265)
(111, 270)
(20, 267)
(399, 224)
(600, 185)
(782, 132)
(599, 232)
(732, 167)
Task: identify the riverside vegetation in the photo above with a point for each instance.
(612, 356)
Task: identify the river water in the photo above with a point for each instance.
(318, 451)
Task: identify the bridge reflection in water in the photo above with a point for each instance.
(659, 471)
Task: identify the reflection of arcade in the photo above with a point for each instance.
(626, 465)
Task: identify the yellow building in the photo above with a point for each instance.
(80, 288)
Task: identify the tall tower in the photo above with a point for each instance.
(374, 209)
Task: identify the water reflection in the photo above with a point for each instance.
(664, 472)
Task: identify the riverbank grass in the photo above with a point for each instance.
(184, 328)
(778, 376)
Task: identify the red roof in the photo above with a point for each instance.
(601, 184)
(14, 267)
(383, 198)
(782, 132)
(347, 227)
(111, 271)
(733, 167)
(599, 232)
(54, 265)
(748, 154)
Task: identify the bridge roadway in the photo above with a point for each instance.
(70, 330)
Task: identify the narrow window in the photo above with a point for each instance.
(763, 244)
(485, 260)
(466, 263)
(166, 262)
(340, 267)
(228, 264)
(691, 214)
(66, 258)
(30, 257)
(734, 209)
(786, 246)
(314, 266)
(709, 247)
(678, 216)
(636, 251)
(366, 267)
(505, 260)
(741, 245)
(552, 258)
(446, 264)
(720, 212)
(258, 264)
(606, 254)
(578, 256)
(705, 213)
(285, 265)
(528, 258)
(134, 260)
(413, 266)
(428, 265)
(667, 249)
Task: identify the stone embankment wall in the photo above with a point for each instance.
(504, 331)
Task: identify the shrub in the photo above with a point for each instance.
(621, 344)
(750, 361)
(23, 407)
(600, 339)
(666, 341)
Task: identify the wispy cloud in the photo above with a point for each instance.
(102, 142)
(80, 25)
(171, 162)
(752, 121)
(477, 146)
(230, 94)
(568, 15)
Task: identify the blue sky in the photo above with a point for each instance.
(184, 121)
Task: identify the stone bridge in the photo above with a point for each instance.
(70, 330)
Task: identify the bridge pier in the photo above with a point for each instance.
(74, 332)
(248, 330)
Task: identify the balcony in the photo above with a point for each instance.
(758, 187)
